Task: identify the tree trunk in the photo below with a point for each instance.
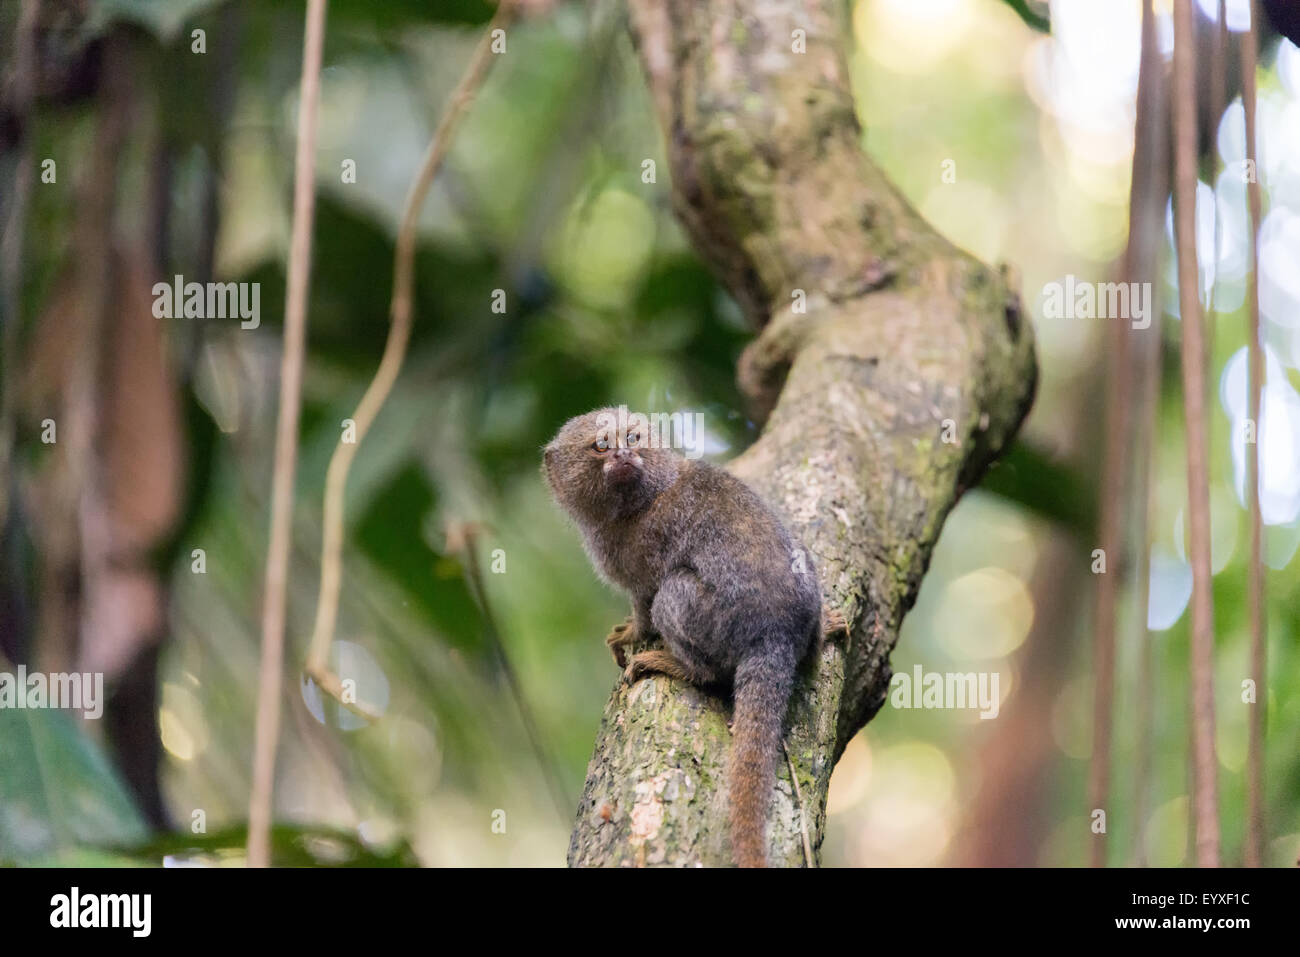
(908, 373)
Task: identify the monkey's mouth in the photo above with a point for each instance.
(622, 472)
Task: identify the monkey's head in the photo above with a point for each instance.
(607, 464)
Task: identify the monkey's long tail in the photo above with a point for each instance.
(762, 693)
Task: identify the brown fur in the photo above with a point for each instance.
(710, 569)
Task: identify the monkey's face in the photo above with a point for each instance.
(605, 463)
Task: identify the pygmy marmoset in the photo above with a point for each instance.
(709, 568)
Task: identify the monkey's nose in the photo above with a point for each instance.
(621, 454)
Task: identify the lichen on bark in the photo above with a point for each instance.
(907, 375)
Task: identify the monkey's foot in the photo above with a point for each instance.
(621, 636)
(654, 662)
(834, 624)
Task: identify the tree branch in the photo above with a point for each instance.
(267, 728)
(1150, 186)
(909, 372)
(1204, 763)
(1256, 831)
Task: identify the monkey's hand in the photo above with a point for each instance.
(618, 639)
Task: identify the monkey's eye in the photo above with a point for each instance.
(600, 445)
(633, 438)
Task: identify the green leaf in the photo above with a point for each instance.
(391, 532)
(58, 791)
(291, 846)
(1035, 13)
(162, 18)
(394, 13)
(1032, 479)
(165, 18)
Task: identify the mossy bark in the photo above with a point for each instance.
(908, 373)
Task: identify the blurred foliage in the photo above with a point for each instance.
(1035, 13)
(542, 197)
(290, 847)
(58, 791)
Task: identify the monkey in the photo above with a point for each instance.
(710, 569)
